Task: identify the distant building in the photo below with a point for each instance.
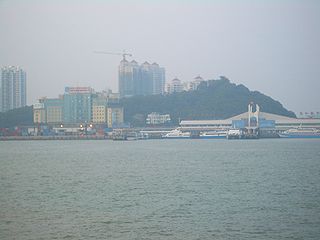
(158, 78)
(157, 119)
(144, 79)
(39, 112)
(193, 85)
(309, 115)
(80, 106)
(48, 111)
(127, 74)
(54, 110)
(13, 93)
(115, 116)
(175, 86)
(77, 104)
(106, 109)
(99, 111)
(258, 118)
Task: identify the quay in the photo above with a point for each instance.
(70, 137)
(253, 124)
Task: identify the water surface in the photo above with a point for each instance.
(160, 189)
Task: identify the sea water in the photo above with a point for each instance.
(160, 189)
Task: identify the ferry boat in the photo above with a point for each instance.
(301, 133)
(234, 134)
(213, 135)
(177, 134)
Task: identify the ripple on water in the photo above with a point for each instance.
(266, 189)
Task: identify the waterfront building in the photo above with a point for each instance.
(144, 79)
(115, 115)
(175, 86)
(13, 91)
(158, 119)
(77, 104)
(39, 112)
(99, 109)
(107, 110)
(48, 111)
(251, 119)
(115, 111)
(99, 113)
(80, 106)
(54, 110)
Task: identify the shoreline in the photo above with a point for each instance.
(37, 138)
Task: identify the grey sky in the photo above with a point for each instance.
(269, 46)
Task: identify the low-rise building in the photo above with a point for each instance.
(80, 106)
(99, 110)
(114, 115)
(157, 119)
(99, 114)
(39, 112)
(48, 111)
(106, 109)
(251, 119)
(54, 110)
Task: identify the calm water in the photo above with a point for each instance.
(160, 189)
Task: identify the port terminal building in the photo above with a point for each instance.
(258, 119)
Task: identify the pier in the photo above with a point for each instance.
(66, 137)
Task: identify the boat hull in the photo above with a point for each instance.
(213, 137)
(298, 136)
(177, 137)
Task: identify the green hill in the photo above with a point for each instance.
(214, 99)
(17, 117)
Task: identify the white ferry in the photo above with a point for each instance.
(234, 134)
(177, 134)
(301, 133)
(213, 135)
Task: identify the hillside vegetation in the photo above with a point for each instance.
(17, 117)
(214, 99)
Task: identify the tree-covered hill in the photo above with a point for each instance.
(17, 117)
(214, 99)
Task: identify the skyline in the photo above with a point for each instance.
(269, 47)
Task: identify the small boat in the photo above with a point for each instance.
(301, 133)
(234, 134)
(213, 135)
(177, 134)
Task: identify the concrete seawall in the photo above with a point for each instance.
(34, 138)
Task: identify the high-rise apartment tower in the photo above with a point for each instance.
(144, 79)
(13, 93)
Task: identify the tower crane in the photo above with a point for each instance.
(124, 54)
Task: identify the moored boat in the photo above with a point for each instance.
(234, 134)
(213, 135)
(177, 134)
(301, 133)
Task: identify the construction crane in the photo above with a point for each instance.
(124, 54)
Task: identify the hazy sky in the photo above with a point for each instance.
(269, 46)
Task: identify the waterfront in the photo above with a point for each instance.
(155, 189)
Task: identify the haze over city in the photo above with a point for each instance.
(272, 47)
